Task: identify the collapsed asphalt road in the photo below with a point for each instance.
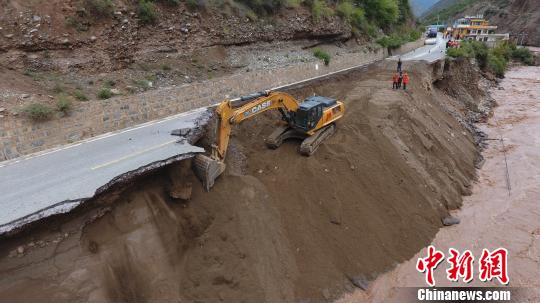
(56, 181)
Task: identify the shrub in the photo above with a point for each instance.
(38, 111)
(524, 55)
(504, 49)
(370, 29)
(172, 2)
(76, 24)
(496, 64)
(383, 12)
(414, 35)
(345, 10)
(63, 104)
(146, 11)
(99, 8)
(456, 52)
(251, 15)
(358, 19)
(109, 83)
(481, 52)
(392, 41)
(292, 3)
(142, 84)
(57, 89)
(192, 4)
(104, 93)
(166, 67)
(319, 53)
(493, 60)
(320, 9)
(263, 7)
(79, 95)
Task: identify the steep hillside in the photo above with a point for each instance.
(512, 16)
(420, 7)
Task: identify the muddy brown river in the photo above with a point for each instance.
(504, 208)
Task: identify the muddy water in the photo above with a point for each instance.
(504, 209)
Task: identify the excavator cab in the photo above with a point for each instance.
(310, 111)
(306, 117)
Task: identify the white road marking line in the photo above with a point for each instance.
(132, 155)
(99, 137)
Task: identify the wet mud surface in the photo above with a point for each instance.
(503, 210)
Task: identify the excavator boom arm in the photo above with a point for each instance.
(229, 115)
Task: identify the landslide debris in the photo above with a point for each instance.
(276, 227)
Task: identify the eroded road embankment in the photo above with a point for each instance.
(503, 210)
(277, 227)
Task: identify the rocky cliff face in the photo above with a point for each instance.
(514, 16)
(121, 37)
(520, 18)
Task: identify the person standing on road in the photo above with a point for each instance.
(405, 80)
(395, 81)
(400, 79)
(399, 65)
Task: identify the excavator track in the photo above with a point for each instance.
(281, 134)
(311, 143)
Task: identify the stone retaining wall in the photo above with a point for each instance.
(19, 136)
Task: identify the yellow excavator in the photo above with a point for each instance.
(312, 121)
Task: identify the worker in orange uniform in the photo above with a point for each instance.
(395, 78)
(405, 80)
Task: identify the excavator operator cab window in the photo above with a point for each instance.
(308, 117)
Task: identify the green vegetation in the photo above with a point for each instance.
(494, 60)
(104, 93)
(382, 12)
(320, 9)
(99, 8)
(356, 16)
(251, 15)
(319, 53)
(58, 89)
(32, 74)
(63, 104)
(109, 83)
(191, 4)
(367, 16)
(79, 95)
(142, 84)
(263, 7)
(364, 16)
(524, 55)
(38, 111)
(77, 24)
(449, 12)
(173, 2)
(147, 11)
(293, 3)
(397, 39)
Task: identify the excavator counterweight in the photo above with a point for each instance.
(312, 121)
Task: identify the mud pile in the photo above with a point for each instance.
(277, 227)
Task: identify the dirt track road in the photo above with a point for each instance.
(493, 216)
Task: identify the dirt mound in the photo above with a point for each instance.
(277, 227)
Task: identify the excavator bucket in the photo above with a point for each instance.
(207, 170)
